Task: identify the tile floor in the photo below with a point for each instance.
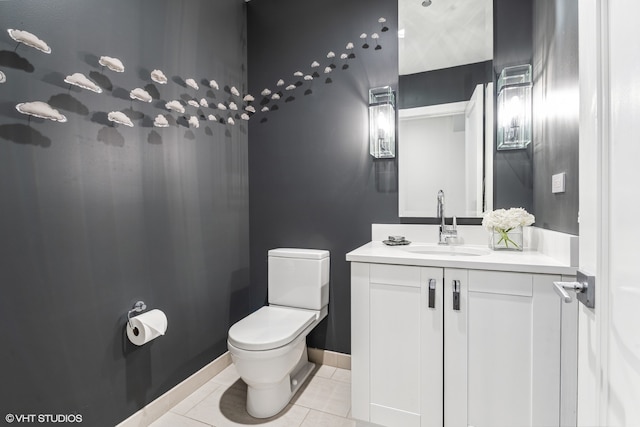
(324, 401)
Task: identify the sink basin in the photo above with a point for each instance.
(446, 250)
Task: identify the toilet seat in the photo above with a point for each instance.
(270, 327)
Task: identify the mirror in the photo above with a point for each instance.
(445, 53)
(443, 149)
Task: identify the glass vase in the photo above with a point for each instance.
(506, 240)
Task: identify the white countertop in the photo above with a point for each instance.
(528, 261)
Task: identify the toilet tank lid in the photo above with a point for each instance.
(299, 253)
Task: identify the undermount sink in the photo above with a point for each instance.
(446, 250)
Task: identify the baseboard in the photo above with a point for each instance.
(331, 358)
(162, 404)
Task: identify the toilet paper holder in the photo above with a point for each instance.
(137, 308)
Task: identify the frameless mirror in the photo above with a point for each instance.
(442, 135)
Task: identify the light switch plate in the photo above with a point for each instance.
(557, 183)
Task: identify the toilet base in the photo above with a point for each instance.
(265, 402)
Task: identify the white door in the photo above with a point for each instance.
(473, 152)
(609, 338)
(489, 135)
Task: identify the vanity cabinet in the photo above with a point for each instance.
(452, 347)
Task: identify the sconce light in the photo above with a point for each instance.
(382, 123)
(514, 107)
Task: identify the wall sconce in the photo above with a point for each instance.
(514, 107)
(382, 123)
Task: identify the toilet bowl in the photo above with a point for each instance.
(268, 347)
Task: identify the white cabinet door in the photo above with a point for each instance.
(502, 350)
(397, 351)
(432, 347)
(455, 349)
(395, 345)
(405, 346)
(360, 355)
(491, 356)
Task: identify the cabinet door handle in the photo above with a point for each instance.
(456, 295)
(432, 293)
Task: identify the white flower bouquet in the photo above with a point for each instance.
(503, 221)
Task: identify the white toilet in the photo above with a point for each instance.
(268, 347)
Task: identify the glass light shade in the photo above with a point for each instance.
(382, 123)
(514, 107)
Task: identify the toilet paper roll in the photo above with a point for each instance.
(147, 326)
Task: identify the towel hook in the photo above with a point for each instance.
(137, 308)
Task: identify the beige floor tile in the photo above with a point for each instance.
(324, 400)
(226, 406)
(171, 419)
(343, 375)
(322, 419)
(324, 371)
(195, 398)
(365, 424)
(325, 395)
(227, 377)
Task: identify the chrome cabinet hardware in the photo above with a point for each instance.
(456, 295)
(432, 293)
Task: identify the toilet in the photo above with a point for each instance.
(268, 347)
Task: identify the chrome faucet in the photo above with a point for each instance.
(447, 232)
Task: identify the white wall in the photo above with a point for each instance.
(433, 149)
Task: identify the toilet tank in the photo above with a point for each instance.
(299, 278)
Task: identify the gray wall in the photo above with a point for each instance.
(556, 111)
(543, 33)
(442, 86)
(313, 183)
(512, 45)
(94, 216)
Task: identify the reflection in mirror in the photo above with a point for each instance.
(445, 34)
(445, 51)
(444, 142)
